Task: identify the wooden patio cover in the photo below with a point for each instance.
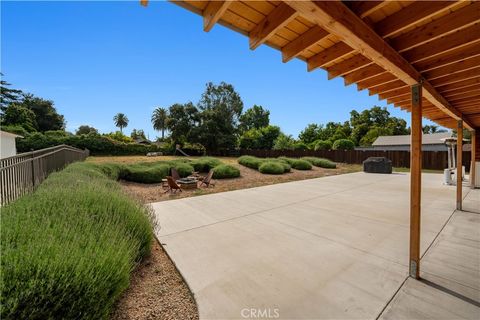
(381, 46)
(421, 56)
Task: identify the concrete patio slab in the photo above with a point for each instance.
(327, 248)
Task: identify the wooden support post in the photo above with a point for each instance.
(473, 144)
(459, 163)
(415, 180)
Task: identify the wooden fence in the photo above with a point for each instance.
(22, 173)
(435, 160)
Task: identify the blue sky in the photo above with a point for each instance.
(94, 59)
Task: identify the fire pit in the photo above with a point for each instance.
(187, 183)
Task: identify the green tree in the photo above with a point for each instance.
(343, 144)
(254, 118)
(284, 142)
(220, 109)
(159, 120)
(18, 115)
(8, 95)
(373, 134)
(138, 134)
(311, 133)
(121, 121)
(263, 138)
(46, 116)
(85, 129)
(182, 120)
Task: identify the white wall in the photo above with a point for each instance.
(7, 146)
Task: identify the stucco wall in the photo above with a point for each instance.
(7, 146)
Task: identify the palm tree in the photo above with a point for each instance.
(121, 121)
(159, 120)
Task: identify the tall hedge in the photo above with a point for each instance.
(97, 144)
(69, 247)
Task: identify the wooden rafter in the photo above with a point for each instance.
(412, 14)
(278, 18)
(303, 42)
(381, 79)
(451, 57)
(213, 12)
(460, 84)
(385, 87)
(444, 44)
(363, 74)
(336, 18)
(349, 65)
(456, 77)
(461, 91)
(328, 55)
(365, 8)
(453, 68)
(447, 24)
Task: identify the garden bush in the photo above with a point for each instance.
(300, 146)
(69, 247)
(343, 144)
(323, 145)
(146, 173)
(184, 169)
(271, 167)
(301, 164)
(286, 166)
(225, 171)
(320, 162)
(204, 164)
(250, 162)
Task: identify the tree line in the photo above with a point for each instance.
(216, 123)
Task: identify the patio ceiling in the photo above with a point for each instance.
(381, 46)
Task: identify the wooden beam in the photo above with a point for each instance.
(363, 74)
(303, 42)
(453, 68)
(328, 55)
(277, 19)
(474, 95)
(213, 12)
(415, 180)
(460, 84)
(473, 144)
(381, 79)
(365, 8)
(444, 44)
(144, 3)
(449, 23)
(400, 92)
(385, 87)
(460, 91)
(459, 163)
(337, 19)
(450, 57)
(410, 15)
(346, 66)
(456, 77)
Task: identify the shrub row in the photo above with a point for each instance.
(272, 166)
(321, 162)
(69, 247)
(154, 172)
(97, 144)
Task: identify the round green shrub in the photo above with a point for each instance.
(320, 162)
(271, 167)
(204, 164)
(323, 145)
(286, 166)
(301, 165)
(184, 169)
(300, 146)
(146, 174)
(290, 161)
(343, 144)
(225, 171)
(250, 162)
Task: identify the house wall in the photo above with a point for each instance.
(7, 146)
(406, 147)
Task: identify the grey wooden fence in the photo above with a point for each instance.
(22, 173)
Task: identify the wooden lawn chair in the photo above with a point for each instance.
(207, 181)
(173, 187)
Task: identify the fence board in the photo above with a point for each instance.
(22, 173)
